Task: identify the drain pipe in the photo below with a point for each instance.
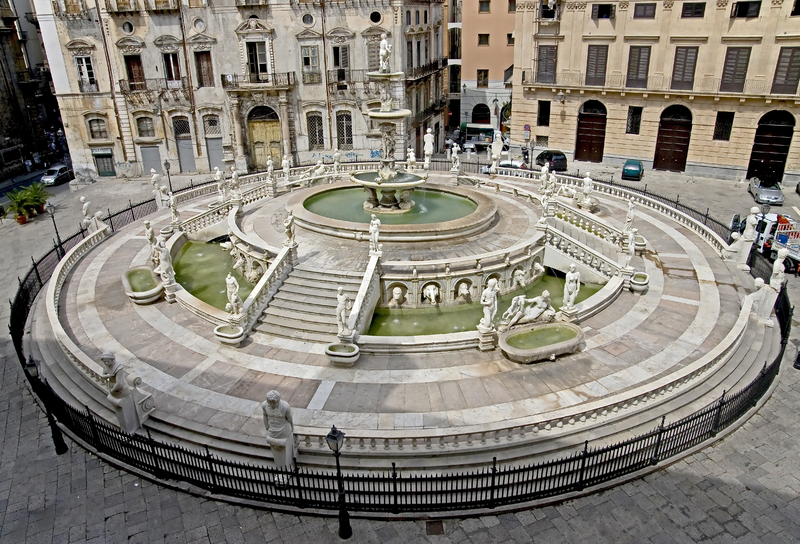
(325, 75)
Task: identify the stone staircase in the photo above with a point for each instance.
(304, 308)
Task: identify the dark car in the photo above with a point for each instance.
(633, 169)
(556, 160)
(56, 174)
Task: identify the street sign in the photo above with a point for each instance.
(527, 127)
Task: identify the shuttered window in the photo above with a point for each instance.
(693, 9)
(596, 65)
(603, 11)
(735, 69)
(638, 65)
(745, 9)
(683, 70)
(787, 73)
(205, 71)
(644, 11)
(546, 66)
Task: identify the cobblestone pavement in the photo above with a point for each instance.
(745, 488)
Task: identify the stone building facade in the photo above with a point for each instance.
(709, 88)
(213, 83)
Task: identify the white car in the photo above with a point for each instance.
(513, 164)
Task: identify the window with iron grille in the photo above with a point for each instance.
(98, 129)
(734, 71)
(212, 126)
(344, 130)
(484, 6)
(745, 9)
(693, 9)
(596, 61)
(638, 65)
(603, 11)
(181, 127)
(683, 68)
(787, 72)
(634, 123)
(543, 115)
(483, 78)
(105, 165)
(145, 127)
(723, 126)
(542, 141)
(483, 39)
(316, 136)
(644, 11)
(546, 66)
(205, 71)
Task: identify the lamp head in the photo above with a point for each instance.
(335, 439)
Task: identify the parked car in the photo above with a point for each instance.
(765, 192)
(516, 165)
(57, 174)
(633, 169)
(556, 160)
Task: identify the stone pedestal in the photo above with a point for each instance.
(169, 291)
(766, 305)
(744, 253)
(571, 314)
(487, 340)
(626, 274)
(454, 173)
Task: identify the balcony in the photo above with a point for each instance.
(28, 76)
(161, 5)
(152, 85)
(280, 80)
(426, 69)
(122, 6)
(6, 13)
(88, 87)
(311, 78)
(349, 83)
(247, 3)
(72, 10)
(433, 108)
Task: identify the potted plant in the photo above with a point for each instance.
(37, 196)
(18, 204)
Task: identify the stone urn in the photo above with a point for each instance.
(639, 282)
(342, 354)
(142, 285)
(231, 335)
(640, 243)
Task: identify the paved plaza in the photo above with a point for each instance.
(742, 489)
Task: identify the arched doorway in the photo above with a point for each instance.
(672, 144)
(505, 118)
(771, 146)
(591, 132)
(481, 114)
(264, 132)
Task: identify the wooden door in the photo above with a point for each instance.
(265, 140)
(133, 66)
(672, 145)
(591, 137)
(771, 147)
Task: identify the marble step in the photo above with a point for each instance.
(303, 335)
(326, 278)
(289, 304)
(323, 286)
(304, 317)
(304, 291)
(290, 323)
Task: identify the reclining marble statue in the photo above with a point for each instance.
(529, 310)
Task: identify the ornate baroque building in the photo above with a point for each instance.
(205, 83)
(709, 88)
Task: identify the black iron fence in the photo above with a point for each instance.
(393, 490)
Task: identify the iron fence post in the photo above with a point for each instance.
(654, 460)
(718, 415)
(580, 485)
(705, 219)
(93, 428)
(157, 470)
(111, 221)
(395, 504)
(491, 490)
(210, 461)
(130, 207)
(301, 501)
(36, 270)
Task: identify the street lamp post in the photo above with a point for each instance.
(166, 169)
(52, 211)
(335, 439)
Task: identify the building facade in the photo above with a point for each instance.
(709, 88)
(234, 82)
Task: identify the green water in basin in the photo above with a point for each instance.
(339, 348)
(429, 207)
(201, 268)
(141, 280)
(440, 320)
(538, 338)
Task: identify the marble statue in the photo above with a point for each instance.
(337, 161)
(428, 147)
(544, 171)
(154, 177)
(530, 310)
(519, 277)
(374, 231)
(114, 374)
(387, 142)
(588, 186)
(162, 196)
(385, 51)
(222, 186)
(732, 251)
(631, 253)
(411, 160)
(778, 273)
(280, 429)
(489, 302)
(538, 269)
(165, 264)
(494, 167)
(288, 229)
(462, 294)
(234, 304)
(286, 165)
(385, 94)
(96, 222)
(270, 168)
(234, 178)
(572, 285)
(629, 216)
(398, 298)
(342, 307)
(454, 157)
(750, 224)
(173, 207)
(85, 208)
(431, 293)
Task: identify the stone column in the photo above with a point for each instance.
(287, 146)
(237, 128)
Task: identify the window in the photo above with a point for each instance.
(257, 60)
(341, 56)
(483, 39)
(195, 3)
(596, 65)
(543, 115)
(427, 49)
(723, 126)
(419, 53)
(510, 39)
(408, 17)
(375, 17)
(86, 80)
(483, 78)
(634, 123)
(105, 165)
(546, 67)
(603, 11)
(180, 125)
(512, 6)
(734, 70)
(425, 13)
(72, 6)
(745, 9)
(316, 136)
(542, 141)
(344, 130)
(484, 6)
(644, 11)
(787, 72)
(145, 127)
(683, 69)
(795, 9)
(693, 9)
(638, 65)
(308, 19)
(135, 71)
(311, 73)
(416, 17)
(212, 126)
(205, 71)
(97, 129)
(373, 56)
(172, 69)
(409, 55)
(548, 11)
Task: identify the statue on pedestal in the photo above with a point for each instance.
(489, 302)
(385, 51)
(288, 229)
(342, 307)
(374, 230)
(428, 147)
(530, 310)
(572, 286)
(278, 422)
(234, 305)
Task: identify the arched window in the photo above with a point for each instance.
(426, 16)
(481, 114)
(211, 126)
(416, 18)
(181, 128)
(145, 127)
(98, 129)
(408, 17)
(316, 136)
(344, 130)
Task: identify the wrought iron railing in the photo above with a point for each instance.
(278, 79)
(426, 69)
(152, 84)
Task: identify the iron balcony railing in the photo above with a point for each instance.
(122, 6)
(88, 87)
(278, 79)
(426, 69)
(312, 77)
(149, 84)
(352, 81)
(161, 5)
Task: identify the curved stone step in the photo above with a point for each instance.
(306, 336)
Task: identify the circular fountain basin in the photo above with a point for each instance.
(403, 180)
(469, 212)
(141, 285)
(536, 342)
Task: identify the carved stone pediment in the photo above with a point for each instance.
(201, 42)
(373, 35)
(340, 35)
(254, 27)
(130, 44)
(167, 44)
(308, 34)
(80, 48)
